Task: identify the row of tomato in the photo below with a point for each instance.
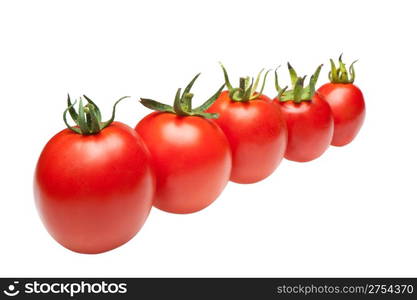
(96, 182)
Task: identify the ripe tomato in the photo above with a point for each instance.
(347, 103)
(94, 190)
(190, 154)
(255, 129)
(308, 117)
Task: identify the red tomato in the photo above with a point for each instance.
(346, 101)
(310, 128)
(256, 133)
(190, 154)
(348, 107)
(94, 192)
(191, 158)
(308, 118)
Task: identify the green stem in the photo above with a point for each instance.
(247, 86)
(69, 108)
(88, 118)
(298, 93)
(340, 74)
(298, 89)
(183, 103)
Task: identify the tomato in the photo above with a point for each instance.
(256, 133)
(94, 190)
(308, 117)
(190, 154)
(310, 128)
(255, 129)
(347, 104)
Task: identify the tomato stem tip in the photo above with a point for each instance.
(341, 74)
(88, 117)
(247, 86)
(183, 103)
(298, 93)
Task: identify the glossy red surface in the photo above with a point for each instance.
(257, 135)
(310, 128)
(348, 107)
(94, 192)
(191, 158)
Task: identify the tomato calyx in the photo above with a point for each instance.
(340, 74)
(247, 86)
(183, 103)
(298, 93)
(88, 117)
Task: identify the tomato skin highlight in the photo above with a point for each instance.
(348, 108)
(257, 135)
(310, 128)
(191, 158)
(94, 192)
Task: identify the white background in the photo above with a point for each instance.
(351, 212)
